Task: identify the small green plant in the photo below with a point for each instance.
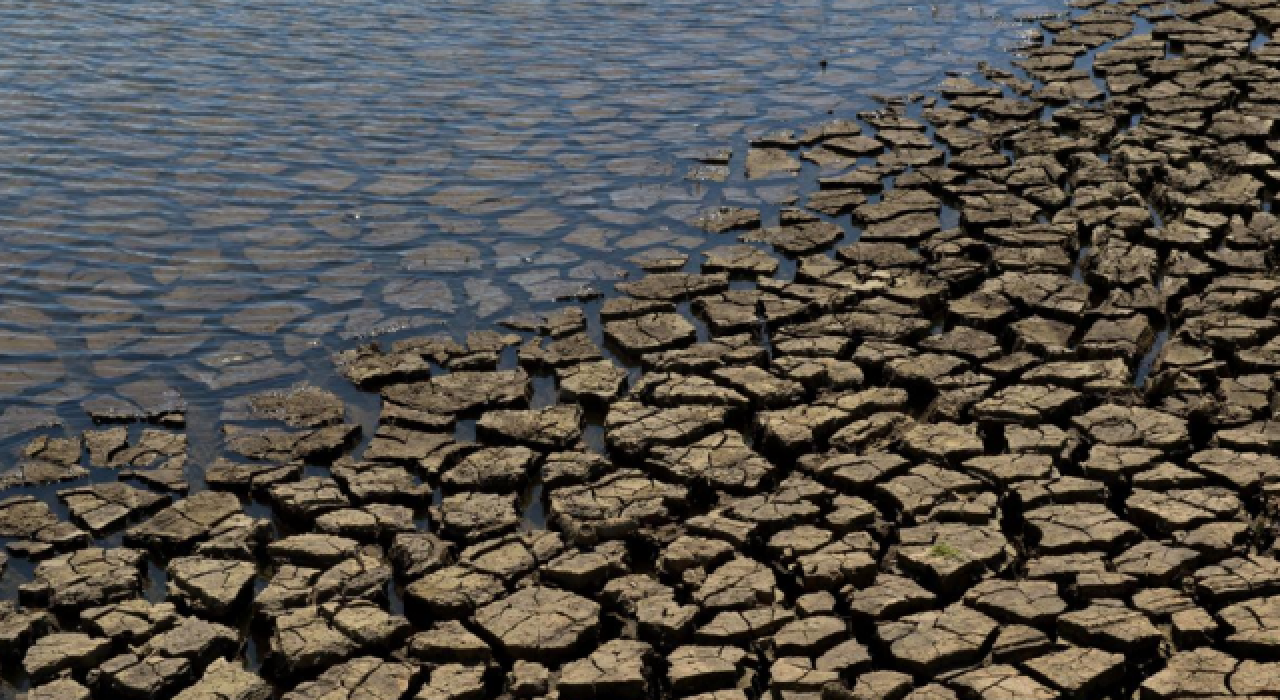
(945, 551)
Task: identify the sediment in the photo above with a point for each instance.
(1014, 438)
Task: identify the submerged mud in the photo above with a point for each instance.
(199, 203)
(985, 411)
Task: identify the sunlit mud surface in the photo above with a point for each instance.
(642, 353)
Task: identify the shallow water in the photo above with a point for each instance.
(253, 185)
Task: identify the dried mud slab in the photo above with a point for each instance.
(461, 392)
(540, 622)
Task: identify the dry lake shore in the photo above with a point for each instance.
(1012, 439)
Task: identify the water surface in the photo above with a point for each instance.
(194, 186)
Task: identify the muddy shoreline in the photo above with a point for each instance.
(1014, 438)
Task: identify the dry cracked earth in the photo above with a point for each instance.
(1014, 439)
